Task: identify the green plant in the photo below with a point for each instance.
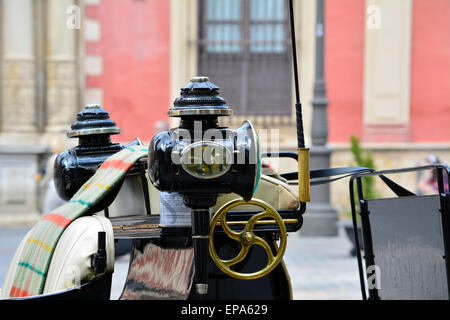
(362, 158)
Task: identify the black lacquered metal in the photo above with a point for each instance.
(178, 161)
(200, 241)
(75, 166)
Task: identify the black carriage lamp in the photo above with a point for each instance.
(75, 166)
(200, 157)
(200, 160)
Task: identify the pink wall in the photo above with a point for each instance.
(135, 47)
(430, 71)
(344, 23)
(344, 56)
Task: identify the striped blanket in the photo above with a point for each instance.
(36, 256)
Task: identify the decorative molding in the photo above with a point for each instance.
(395, 146)
(92, 31)
(62, 96)
(387, 67)
(92, 61)
(18, 113)
(386, 132)
(183, 45)
(62, 102)
(18, 96)
(93, 65)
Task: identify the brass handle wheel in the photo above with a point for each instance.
(247, 239)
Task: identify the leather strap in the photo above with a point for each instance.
(347, 172)
(396, 188)
(321, 173)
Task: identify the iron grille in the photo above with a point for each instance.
(244, 48)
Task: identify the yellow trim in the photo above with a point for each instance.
(40, 243)
(260, 222)
(303, 175)
(100, 185)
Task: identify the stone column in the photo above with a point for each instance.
(183, 43)
(62, 91)
(19, 148)
(18, 116)
(322, 217)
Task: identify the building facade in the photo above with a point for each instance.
(386, 75)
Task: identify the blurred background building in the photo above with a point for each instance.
(387, 66)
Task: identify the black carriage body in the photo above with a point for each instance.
(143, 284)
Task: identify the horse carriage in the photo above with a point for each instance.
(205, 222)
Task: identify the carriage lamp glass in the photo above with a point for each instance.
(206, 159)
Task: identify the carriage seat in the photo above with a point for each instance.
(275, 192)
(71, 260)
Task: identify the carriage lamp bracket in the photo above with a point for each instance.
(98, 259)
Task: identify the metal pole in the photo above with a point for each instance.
(304, 194)
(319, 133)
(322, 218)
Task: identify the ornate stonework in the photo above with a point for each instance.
(62, 98)
(18, 96)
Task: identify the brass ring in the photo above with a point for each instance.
(247, 239)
